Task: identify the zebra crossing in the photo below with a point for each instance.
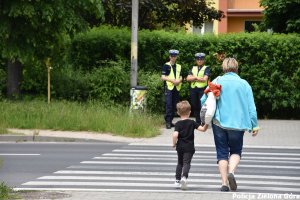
(139, 167)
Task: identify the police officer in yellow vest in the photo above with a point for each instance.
(171, 74)
(198, 77)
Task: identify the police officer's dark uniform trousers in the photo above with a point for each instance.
(171, 91)
(197, 90)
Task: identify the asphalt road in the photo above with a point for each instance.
(22, 162)
(121, 167)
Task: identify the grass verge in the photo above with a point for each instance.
(3, 130)
(74, 116)
(7, 193)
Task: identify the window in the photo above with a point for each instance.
(206, 28)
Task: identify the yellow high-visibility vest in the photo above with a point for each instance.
(199, 74)
(170, 85)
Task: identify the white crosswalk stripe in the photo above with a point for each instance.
(152, 168)
(174, 164)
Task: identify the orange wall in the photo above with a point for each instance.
(222, 25)
(237, 24)
(243, 4)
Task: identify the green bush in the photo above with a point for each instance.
(87, 50)
(108, 83)
(70, 84)
(7, 192)
(270, 63)
(35, 79)
(155, 94)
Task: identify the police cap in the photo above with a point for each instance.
(200, 56)
(173, 52)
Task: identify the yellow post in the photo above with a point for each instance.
(48, 65)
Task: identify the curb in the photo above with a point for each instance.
(24, 138)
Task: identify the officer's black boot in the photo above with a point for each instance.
(168, 125)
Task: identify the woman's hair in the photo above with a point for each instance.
(183, 108)
(230, 65)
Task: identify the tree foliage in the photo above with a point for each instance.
(35, 29)
(161, 13)
(283, 16)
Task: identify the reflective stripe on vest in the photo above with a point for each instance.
(170, 85)
(199, 74)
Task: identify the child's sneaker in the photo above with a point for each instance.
(183, 183)
(177, 184)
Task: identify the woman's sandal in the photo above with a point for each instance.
(224, 188)
(232, 182)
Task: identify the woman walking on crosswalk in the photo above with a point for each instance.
(235, 114)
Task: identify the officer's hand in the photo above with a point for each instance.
(199, 79)
(176, 82)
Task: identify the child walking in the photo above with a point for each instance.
(183, 140)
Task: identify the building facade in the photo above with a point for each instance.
(240, 15)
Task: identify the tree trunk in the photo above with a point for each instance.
(14, 77)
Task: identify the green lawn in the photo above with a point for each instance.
(91, 116)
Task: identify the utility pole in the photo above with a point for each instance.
(134, 42)
(137, 93)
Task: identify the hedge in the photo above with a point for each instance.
(270, 63)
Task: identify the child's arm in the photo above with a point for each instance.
(203, 128)
(175, 138)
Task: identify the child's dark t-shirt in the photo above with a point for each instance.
(185, 141)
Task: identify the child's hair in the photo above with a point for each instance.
(183, 108)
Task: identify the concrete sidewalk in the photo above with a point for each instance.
(75, 195)
(273, 133)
